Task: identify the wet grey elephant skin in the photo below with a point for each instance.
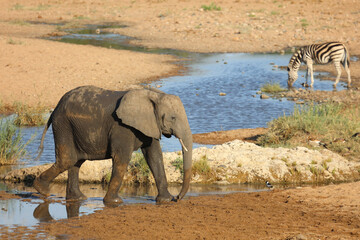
(90, 123)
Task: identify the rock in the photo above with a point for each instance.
(232, 162)
(222, 94)
(90, 171)
(264, 96)
(240, 162)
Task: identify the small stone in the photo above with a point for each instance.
(222, 94)
(264, 96)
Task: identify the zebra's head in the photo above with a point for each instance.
(293, 67)
(292, 76)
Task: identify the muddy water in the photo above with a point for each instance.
(30, 210)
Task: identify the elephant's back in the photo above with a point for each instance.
(90, 96)
(88, 102)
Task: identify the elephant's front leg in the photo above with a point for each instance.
(154, 158)
(119, 168)
(72, 189)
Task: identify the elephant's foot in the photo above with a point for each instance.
(112, 201)
(165, 199)
(42, 213)
(41, 187)
(78, 196)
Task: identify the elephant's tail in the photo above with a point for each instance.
(41, 147)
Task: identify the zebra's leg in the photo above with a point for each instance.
(310, 67)
(338, 69)
(347, 69)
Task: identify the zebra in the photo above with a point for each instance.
(322, 53)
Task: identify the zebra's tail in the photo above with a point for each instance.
(346, 62)
(41, 147)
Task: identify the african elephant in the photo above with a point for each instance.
(91, 123)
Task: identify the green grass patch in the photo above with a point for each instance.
(20, 22)
(328, 122)
(40, 7)
(272, 87)
(211, 7)
(202, 168)
(12, 147)
(81, 17)
(304, 23)
(26, 116)
(139, 169)
(17, 6)
(13, 42)
(178, 163)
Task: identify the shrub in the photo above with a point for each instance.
(179, 165)
(211, 7)
(27, 116)
(271, 87)
(328, 122)
(11, 146)
(139, 169)
(202, 168)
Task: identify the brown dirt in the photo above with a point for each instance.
(330, 212)
(38, 72)
(220, 137)
(4, 195)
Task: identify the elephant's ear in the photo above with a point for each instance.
(137, 109)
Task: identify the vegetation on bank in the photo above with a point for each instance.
(138, 170)
(211, 7)
(272, 87)
(26, 116)
(334, 126)
(12, 147)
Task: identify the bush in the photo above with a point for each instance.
(202, 168)
(271, 87)
(139, 169)
(326, 122)
(211, 7)
(179, 165)
(11, 146)
(26, 116)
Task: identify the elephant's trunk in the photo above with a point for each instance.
(187, 160)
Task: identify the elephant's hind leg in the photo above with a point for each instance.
(62, 163)
(72, 189)
(42, 183)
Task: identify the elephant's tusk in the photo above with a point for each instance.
(182, 144)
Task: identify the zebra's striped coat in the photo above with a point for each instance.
(323, 53)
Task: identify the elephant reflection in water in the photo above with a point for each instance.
(90, 123)
(42, 213)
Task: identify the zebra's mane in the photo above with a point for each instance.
(296, 58)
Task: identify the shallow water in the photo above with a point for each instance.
(31, 210)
